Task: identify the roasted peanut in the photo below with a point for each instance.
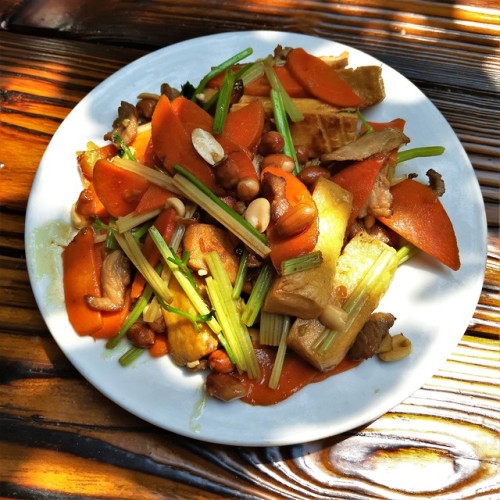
(207, 146)
(310, 175)
(247, 188)
(271, 142)
(227, 173)
(296, 219)
(141, 335)
(302, 154)
(279, 160)
(219, 362)
(258, 214)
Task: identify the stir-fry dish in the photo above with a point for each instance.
(249, 226)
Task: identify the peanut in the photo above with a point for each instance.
(258, 214)
(271, 142)
(279, 160)
(296, 219)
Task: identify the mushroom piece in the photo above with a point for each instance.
(126, 124)
(225, 386)
(115, 277)
(436, 182)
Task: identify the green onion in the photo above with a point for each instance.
(125, 150)
(280, 117)
(409, 154)
(364, 121)
(220, 68)
(197, 192)
(223, 102)
(301, 263)
(291, 110)
(130, 356)
(241, 275)
(258, 295)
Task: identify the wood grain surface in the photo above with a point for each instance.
(60, 438)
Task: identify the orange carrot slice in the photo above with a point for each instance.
(80, 278)
(118, 189)
(359, 179)
(420, 218)
(245, 125)
(321, 80)
(173, 145)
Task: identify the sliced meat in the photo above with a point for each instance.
(115, 277)
(225, 386)
(126, 124)
(369, 338)
(380, 199)
(378, 141)
(436, 182)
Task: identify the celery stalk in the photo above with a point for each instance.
(279, 360)
(133, 252)
(409, 154)
(240, 275)
(226, 310)
(258, 295)
(291, 110)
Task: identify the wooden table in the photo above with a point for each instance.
(60, 438)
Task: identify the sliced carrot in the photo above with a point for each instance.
(190, 113)
(320, 79)
(160, 347)
(283, 248)
(153, 198)
(397, 123)
(173, 145)
(359, 179)
(142, 146)
(87, 159)
(245, 125)
(80, 278)
(118, 189)
(261, 87)
(165, 223)
(420, 218)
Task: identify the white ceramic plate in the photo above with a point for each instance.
(433, 305)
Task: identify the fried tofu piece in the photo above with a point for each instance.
(355, 261)
(367, 83)
(200, 239)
